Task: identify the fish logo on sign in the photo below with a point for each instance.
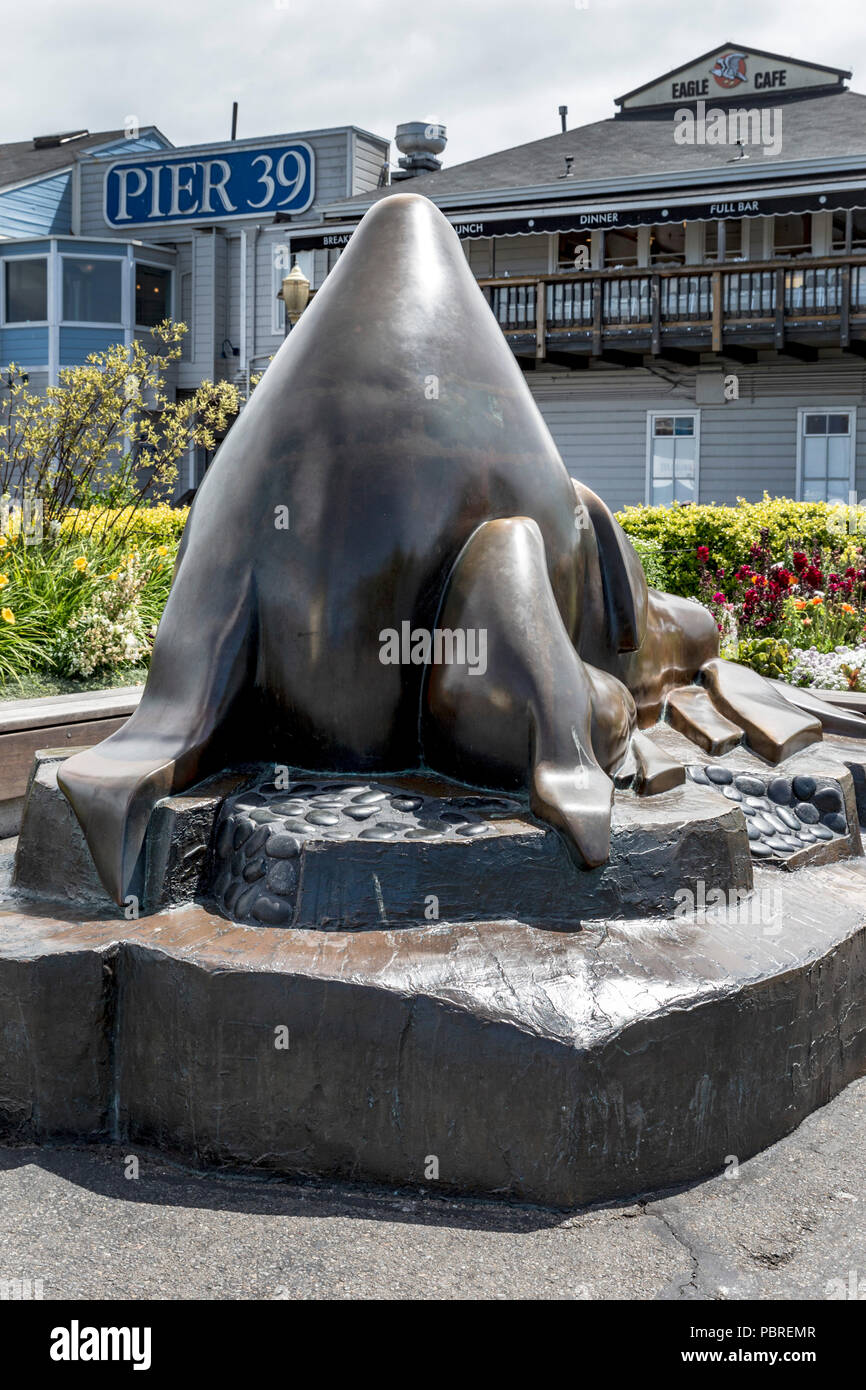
(730, 69)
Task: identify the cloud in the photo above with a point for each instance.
(493, 73)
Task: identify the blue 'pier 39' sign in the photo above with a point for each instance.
(209, 186)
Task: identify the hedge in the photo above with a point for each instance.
(730, 532)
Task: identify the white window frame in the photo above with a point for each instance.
(153, 265)
(851, 412)
(119, 261)
(651, 417)
(25, 323)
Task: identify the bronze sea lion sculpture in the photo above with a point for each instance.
(392, 468)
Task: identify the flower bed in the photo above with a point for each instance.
(786, 582)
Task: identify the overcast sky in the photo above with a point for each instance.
(493, 71)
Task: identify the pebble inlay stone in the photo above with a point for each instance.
(272, 911)
(369, 798)
(246, 900)
(225, 839)
(784, 814)
(361, 813)
(322, 818)
(474, 828)
(779, 790)
(828, 799)
(243, 830)
(822, 831)
(407, 803)
(752, 786)
(375, 832)
(454, 817)
(254, 870)
(257, 839)
(283, 876)
(283, 847)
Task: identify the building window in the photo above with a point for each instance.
(723, 241)
(858, 230)
(672, 458)
(668, 244)
(826, 455)
(91, 290)
(841, 224)
(793, 235)
(152, 295)
(27, 291)
(620, 248)
(571, 246)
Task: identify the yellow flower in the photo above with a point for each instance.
(114, 575)
(162, 550)
(81, 564)
(7, 615)
(4, 580)
(2, 542)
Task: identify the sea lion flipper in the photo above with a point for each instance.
(528, 710)
(172, 739)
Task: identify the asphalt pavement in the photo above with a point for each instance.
(790, 1225)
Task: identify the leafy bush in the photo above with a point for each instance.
(728, 533)
(766, 656)
(106, 441)
(70, 609)
(650, 555)
(158, 525)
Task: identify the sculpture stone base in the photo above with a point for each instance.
(623, 1030)
(558, 1068)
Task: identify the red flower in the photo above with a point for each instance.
(801, 561)
(719, 598)
(703, 553)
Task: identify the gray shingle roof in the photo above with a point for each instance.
(19, 161)
(812, 128)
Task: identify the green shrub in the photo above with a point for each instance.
(650, 555)
(730, 532)
(766, 656)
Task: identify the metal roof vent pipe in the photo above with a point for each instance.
(419, 142)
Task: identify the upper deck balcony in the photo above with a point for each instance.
(736, 308)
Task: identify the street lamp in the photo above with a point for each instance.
(295, 294)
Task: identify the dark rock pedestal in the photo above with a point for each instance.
(551, 1067)
(468, 1011)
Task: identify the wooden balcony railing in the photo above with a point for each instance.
(781, 303)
